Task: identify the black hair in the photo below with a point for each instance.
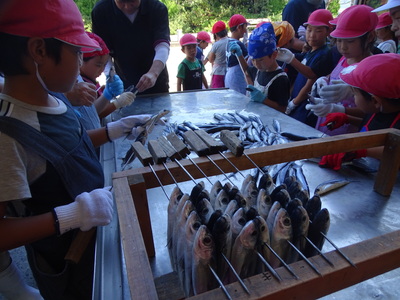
(220, 34)
(14, 49)
(367, 96)
(368, 46)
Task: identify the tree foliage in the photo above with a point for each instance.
(198, 15)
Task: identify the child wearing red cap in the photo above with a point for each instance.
(234, 78)
(109, 98)
(217, 55)
(394, 10)
(377, 96)
(270, 84)
(203, 39)
(386, 37)
(190, 71)
(355, 37)
(317, 31)
(48, 163)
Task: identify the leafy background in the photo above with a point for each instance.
(197, 15)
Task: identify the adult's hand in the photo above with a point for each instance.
(82, 94)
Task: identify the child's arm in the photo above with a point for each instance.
(179, 84)
(235, 49)
(275, 105)
(204, 79)
(303, 94)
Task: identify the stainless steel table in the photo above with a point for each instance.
(357, 212)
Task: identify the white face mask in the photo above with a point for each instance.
(39, 78)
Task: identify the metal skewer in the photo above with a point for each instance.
(236, 274)
(159, 181)
(220, 169)
(337, 248)
(170, 174)
(231, 164)
(282, 261)
(248, 157)
(273, 272)
(319, 251)
(186, 171)
(201, 171)
(305, 258)
(220, 283)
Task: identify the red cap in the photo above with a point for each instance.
(59, 19)
(319, 17)
(104, 50)
(187, 39)
(236, 20)
(218, 26)
(364, 75)
(384, 20)
(204, 36)
(333, 21)
(355, 21)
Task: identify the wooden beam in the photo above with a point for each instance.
(140, 277)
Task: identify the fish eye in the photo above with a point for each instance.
(242, 221)
(225, 200)
(254, 233)
(262, 228)
(196, 225)
(286, 221)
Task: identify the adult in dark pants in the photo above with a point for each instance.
(296, 12)
(137, 34)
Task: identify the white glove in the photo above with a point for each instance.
(88, 210)
(318, 85)
(124, 99)
(285, 55)
(290, 107)
(322, 109)
(130, 127)
(336, 91)
(301, 32)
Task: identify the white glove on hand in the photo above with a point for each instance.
(125, 99)
(301, 31)
(290, 107)
(336, 91)
(285, 55)
(128, 126)
(322, 109)
(318, 85)
(88, 210)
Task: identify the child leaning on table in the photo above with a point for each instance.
(48, 160)
(377, 96)
(190, 71)
(270, 83)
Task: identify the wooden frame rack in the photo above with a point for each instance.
(372, 257)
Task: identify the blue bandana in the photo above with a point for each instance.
(262, 41)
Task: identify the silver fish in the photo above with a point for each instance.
(174, 198)
(179, 230)
(276, 125)
(245, 182)
(221, 201)
(204, 210)
(216, 188)
(231, 208)
(193, 223)
(330, 185)
(251, 193)
(266, 183)
(222, 235)
(238, 221)
(281, 233)
(243, 255)
(276, 206)
(203, 249)
(263, 238)
(264, 203)
(321, 223)
(313, 206)
(300, 223)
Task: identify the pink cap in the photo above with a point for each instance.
(204, 36)
(59, 19)
(218, 26)
(104, 50)
(333, 21)
(377, 74)
(384, 20)
(319, 17)
(236, 20)
(355, 21)
(187, 39)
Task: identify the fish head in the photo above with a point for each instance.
(216, 188)
(293, 204)
(222, 226)
(300, 221)
(222, 200)
(203, 245)
(248, 236)
(238, 220)
(322, 220)
(204, 210)
(232, 207)
(283, 223)
(193, 223)
(241, 200)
